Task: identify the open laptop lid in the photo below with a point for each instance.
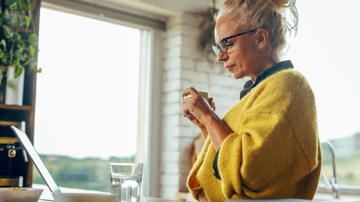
(36, 159)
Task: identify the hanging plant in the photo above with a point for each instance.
(207, 37)
(18, 41)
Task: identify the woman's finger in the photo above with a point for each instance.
(189, 92)
(212, 103)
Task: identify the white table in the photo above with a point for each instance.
(143, 199)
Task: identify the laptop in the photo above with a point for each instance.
(70, 195)
(23, 138)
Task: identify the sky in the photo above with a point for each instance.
(86, 100)
(87, 93)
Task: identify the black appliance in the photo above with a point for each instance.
(13, 159)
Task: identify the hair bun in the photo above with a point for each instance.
(287, 8)
(280, 4)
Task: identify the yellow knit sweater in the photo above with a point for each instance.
(274, 150)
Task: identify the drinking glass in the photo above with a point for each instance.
(126, 181)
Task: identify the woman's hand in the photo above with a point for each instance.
(198, 123)
(195, 107)
(202, 197)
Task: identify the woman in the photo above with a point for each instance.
(267, 145)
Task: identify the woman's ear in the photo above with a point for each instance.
(262, 38)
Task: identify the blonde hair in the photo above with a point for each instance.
(271, 15)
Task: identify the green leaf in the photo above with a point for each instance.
(3, 43)
(29, 6)
(8, 32)
(6, 16)
(11, 85)
(20, 56)
(25, 55)
(20, 50)
(22, 5)
(13, 7)
(18, 70)
(33, 39)
(31, 50)
(27, 62)
(27, 22)
(8, 2)
(17, 19)
(2, 54)
(15, 62)
(1, 76)
(34, 63)
(39, 70)
(11, 53)
(4, 60)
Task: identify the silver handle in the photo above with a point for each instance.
(333, 184)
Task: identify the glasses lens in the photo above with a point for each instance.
(216, 49)
(223, 46)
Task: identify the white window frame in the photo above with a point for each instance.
(149, 99)
(149, 111)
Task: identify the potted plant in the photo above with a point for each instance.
(18, 43)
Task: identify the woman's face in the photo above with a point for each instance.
(241, 58)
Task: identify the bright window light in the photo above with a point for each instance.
(86, 99)
(326, 51)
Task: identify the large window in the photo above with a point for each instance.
(326, 50)
(87, 96)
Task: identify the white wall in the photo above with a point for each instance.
(184, 66)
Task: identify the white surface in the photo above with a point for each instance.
(83, 197)
(19, 194)
(284, 200)
(68, 192)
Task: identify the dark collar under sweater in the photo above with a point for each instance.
(249, 85)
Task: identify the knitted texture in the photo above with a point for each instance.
(274, 150)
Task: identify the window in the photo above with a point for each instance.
(326, 51)
(87, 96)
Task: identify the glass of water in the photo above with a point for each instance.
(126, 181)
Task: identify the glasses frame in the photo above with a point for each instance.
(223, 45)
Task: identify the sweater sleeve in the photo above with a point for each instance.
(192, 181)
(251, 162)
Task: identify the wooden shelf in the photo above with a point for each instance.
(15, 107)
(25, 31)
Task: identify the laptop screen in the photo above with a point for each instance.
(36, 159)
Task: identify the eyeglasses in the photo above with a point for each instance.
(224, 45)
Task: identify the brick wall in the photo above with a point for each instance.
(184, 66)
